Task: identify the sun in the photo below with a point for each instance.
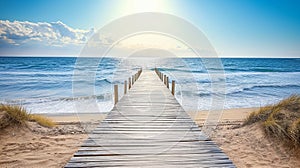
(148, 5)
(137, 6)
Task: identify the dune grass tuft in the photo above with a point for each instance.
(17, 115)
(12, 115)
(281, 120)
(41, 120)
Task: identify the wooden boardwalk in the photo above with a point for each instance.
(148, 128)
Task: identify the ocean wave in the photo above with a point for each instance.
(181, 70)
(250, 88)
(229, 90)
(34, 73)
(103, 80)
(100, 97)
(261, 73)
(258, 69)
(194, 93)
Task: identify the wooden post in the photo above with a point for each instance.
(168, 82)
(129, 82)
(140, 72)
(116, 93)
(173, 87)
(165, 79)
(125, 87)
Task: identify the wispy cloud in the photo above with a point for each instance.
(57, 38)
(49, 36)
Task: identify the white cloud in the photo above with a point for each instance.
(48, 34)
(57, 38)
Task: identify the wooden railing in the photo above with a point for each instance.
(165, 79)
(131, 81)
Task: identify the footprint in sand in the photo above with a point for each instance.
(24, 147)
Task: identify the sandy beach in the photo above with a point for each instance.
(33, 146)
(36, 146)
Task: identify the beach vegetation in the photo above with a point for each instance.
(13, 115)
(281, 120)
(42, 120)
(17, 115)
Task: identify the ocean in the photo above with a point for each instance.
(75, 85)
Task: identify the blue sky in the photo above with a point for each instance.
(234, 27)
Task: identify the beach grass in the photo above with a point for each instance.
(13, 115)
(17, 115)
(281, 120)
(42, 120)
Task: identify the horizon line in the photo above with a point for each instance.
(74, 56)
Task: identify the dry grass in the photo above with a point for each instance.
(17, 115)
(281, 120)
(12, 115)
(43, 121)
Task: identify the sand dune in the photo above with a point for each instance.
(248, 146)
(33, 146)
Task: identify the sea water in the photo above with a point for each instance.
(65, 84)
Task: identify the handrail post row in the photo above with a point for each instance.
(130, 84)
(165, 80)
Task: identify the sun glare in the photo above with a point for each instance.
(136, 6)
(151, 41)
